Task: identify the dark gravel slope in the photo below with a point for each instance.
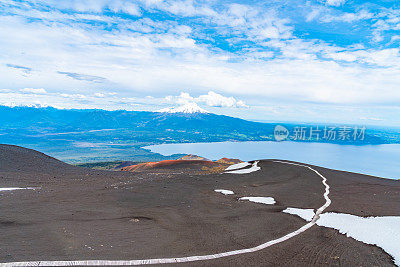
(82, 214)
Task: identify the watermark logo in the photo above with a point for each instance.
(317, 133)
(280, 133)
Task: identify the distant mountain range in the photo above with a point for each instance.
(182, 124)
(111, 135)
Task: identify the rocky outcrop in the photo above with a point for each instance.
(188, 163)
(193, 157)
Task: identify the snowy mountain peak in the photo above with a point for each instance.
(187, 108)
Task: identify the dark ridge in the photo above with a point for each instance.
(16, 158)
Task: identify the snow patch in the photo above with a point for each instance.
(225, 192)
(187, 108)
(262, 200)
(383, 232)
(305, 214)
(15, 188)
(237, 166)
(253, 168)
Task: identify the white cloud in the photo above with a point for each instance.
(123, 6)
(154, 64)
(349, 17)
(76, 96)
(68, 101)
(394, 39)
(335, 2)
(387, 20)
(34, 90)
(371, 119)
(344, 56)
(146, 56)
(315, 12)
(97, 6)
(183, 98)
(213, 99)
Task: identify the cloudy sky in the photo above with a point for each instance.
(275, 60)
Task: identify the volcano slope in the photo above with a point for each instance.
(83, 214)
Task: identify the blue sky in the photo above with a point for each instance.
(316, 61)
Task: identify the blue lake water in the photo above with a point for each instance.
(376, 160)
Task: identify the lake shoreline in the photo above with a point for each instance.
(374, 160)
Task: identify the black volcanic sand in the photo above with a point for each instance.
(81, 213)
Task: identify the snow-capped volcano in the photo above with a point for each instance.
(187, 108)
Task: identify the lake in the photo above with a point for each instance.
(376, 160)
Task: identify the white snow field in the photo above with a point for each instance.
(15, 188)
(383, 232)
(225, 192)
(237, 166)
(253, 168)
(262, 200)
(188, 108)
